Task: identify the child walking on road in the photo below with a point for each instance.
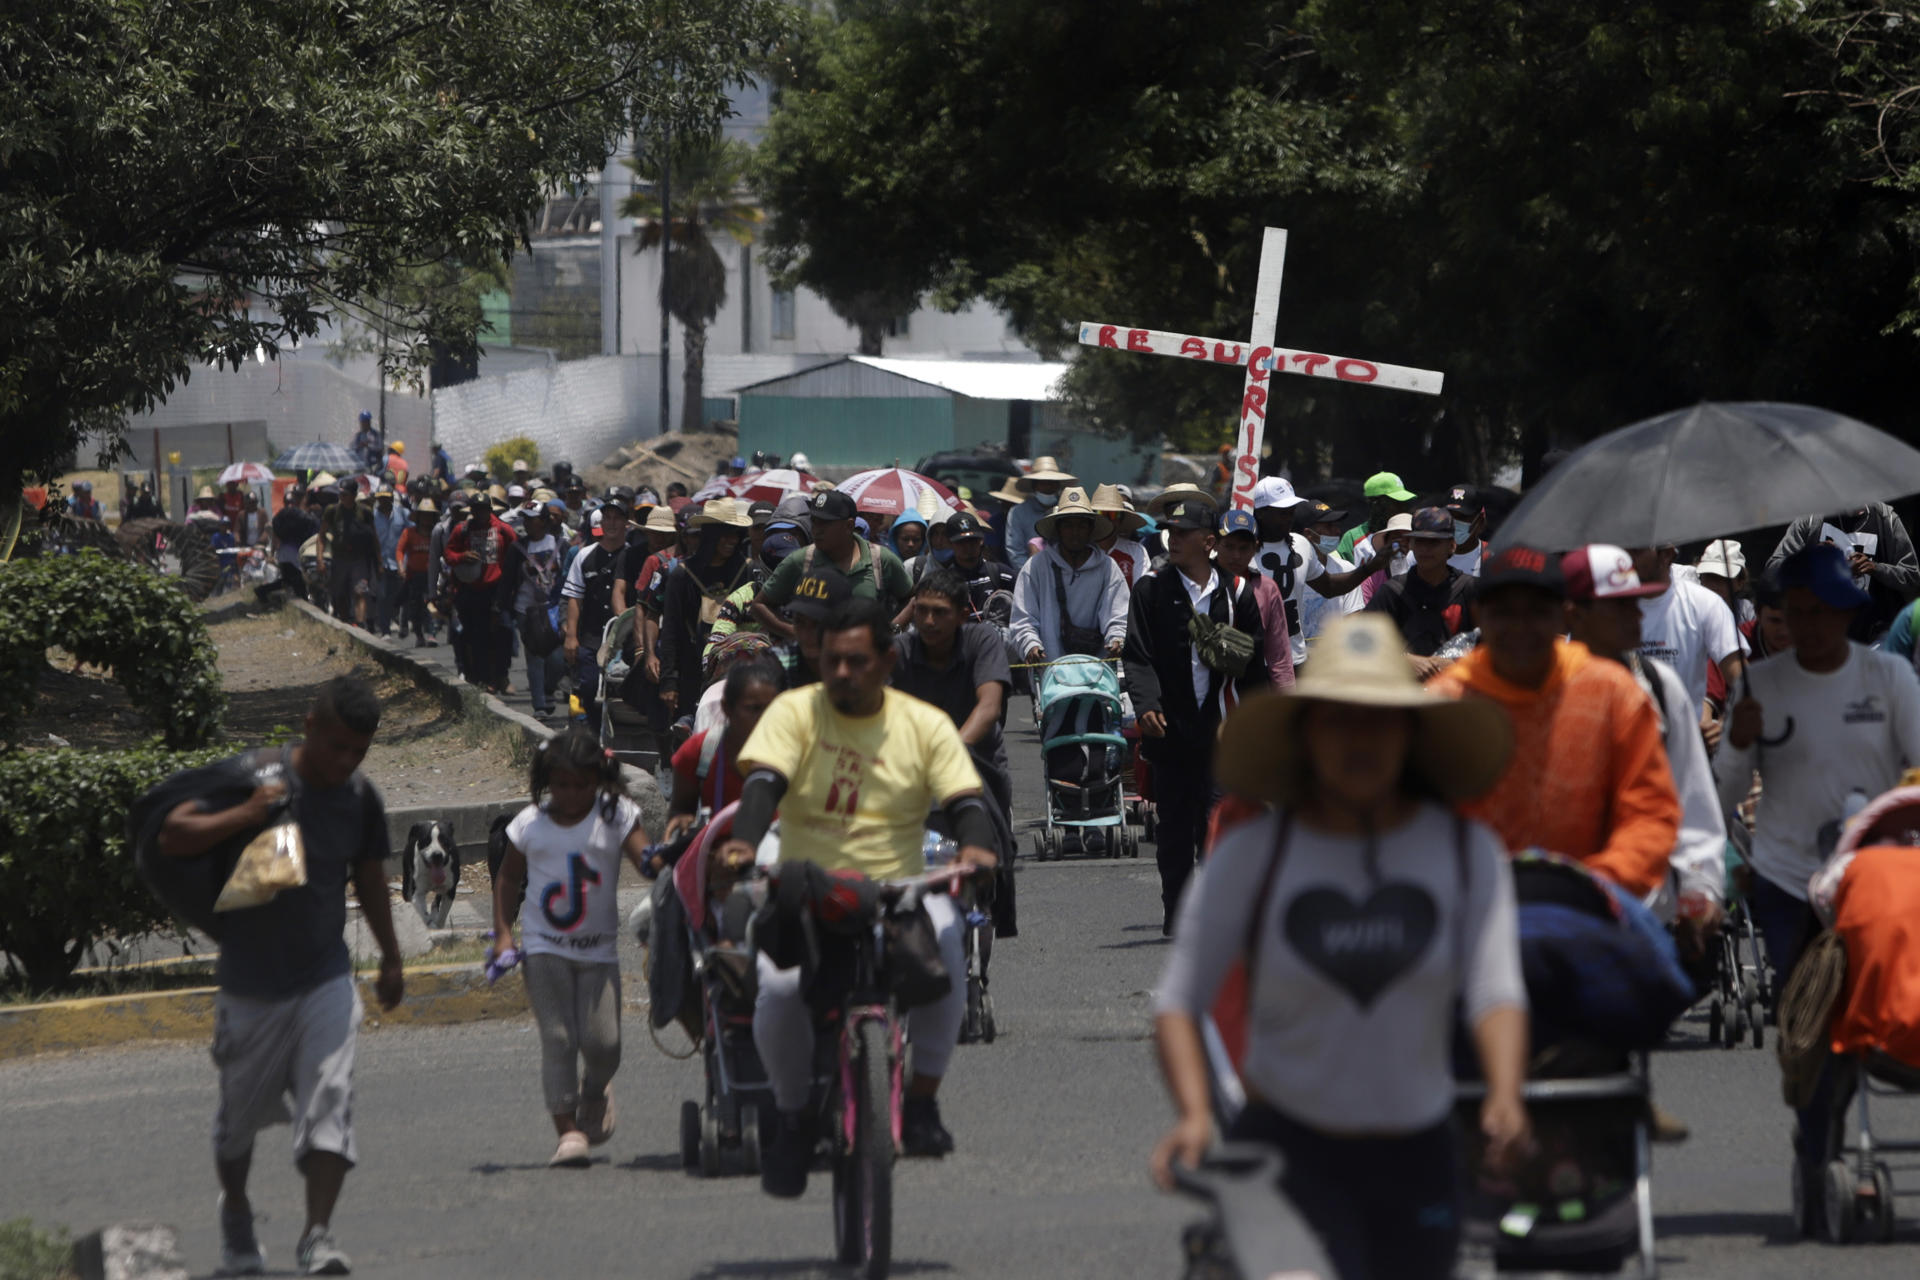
(559, 876)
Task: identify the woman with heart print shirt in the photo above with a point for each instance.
(1367, 912)
(559, 876)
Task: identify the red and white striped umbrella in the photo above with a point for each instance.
(246, 473)
(893, 491)
(760, 486)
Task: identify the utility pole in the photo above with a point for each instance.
(666, 270)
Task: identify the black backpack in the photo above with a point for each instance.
(189, 886)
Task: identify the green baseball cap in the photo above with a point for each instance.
(1387, 485)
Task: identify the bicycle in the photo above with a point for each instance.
(866, 1082)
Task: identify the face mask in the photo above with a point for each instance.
(1328, 542)
(944, 555)
(1047, 499)
(1462, 530)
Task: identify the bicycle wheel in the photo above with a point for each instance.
(863, 1177)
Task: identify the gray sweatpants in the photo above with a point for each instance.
(288, 1059)
(783, 1025)
(577, 1008)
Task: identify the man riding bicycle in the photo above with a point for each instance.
(853, 767)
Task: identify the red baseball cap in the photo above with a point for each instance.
(1601, 571)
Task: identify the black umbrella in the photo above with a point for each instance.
(1711, 471)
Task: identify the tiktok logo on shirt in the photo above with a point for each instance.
(572, 896)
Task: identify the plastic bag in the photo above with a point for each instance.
(275, 859)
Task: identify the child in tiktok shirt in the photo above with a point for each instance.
(559, 876)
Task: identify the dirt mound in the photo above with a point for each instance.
(690, 457)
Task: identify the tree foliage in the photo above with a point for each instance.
(190, 182)
(1581, 213)
(705, 182)
(113, 614)
(67, 876)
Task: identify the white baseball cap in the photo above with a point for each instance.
(1723, 559)
(1275, 491)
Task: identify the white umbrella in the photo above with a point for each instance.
(246, 473)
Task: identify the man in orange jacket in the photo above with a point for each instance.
(1589, 778)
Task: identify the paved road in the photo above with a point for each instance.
(1054, 1122)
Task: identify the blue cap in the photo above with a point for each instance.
(738, 461)
(1823, 570)
(861, 527)
(1238, 520)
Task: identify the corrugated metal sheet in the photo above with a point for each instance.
(858, 377)
(726, 374)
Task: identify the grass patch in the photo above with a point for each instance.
(28, 1253)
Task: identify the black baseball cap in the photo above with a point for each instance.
(831, 504)
(761, 513)
(1433, 523)
(820, 593)
(1522, 567)
(1317, 512)
(1464, 500)
(1189, 515)
(964, 524)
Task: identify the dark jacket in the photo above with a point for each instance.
(1158, 657)
(1896, 569)
(683, 635)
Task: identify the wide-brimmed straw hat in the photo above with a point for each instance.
(1073, 502)
(727, 511)
(1175, 494)
(1460, 746)
(660, 520)
(1044, 468)
(1113, 504)
(1010, 492)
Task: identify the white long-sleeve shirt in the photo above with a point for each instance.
(1823, 737)
(1699, 860)
(1096, 597)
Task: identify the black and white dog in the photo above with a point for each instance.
(430, 871)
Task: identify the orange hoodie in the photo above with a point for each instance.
(1589, 777)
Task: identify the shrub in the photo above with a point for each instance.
(67, 878)
(27, 1253)
(112, 614)
(500, 458)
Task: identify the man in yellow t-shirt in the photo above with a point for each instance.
(853, 768)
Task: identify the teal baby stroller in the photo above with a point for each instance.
(1086, 761)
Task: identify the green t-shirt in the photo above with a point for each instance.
(896, 587)
(1351, 536)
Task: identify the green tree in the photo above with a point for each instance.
(442, 294)
(1581, 213)
(187, 183)
(706, 186)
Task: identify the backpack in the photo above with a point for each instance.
(188, 887)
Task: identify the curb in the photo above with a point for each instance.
(437, 996)
(459, 698)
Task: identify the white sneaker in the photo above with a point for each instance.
(240, 1251)
(318, 1255)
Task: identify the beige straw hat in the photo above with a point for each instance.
(1113, 504)
(727, 511)
(1175, 494)
(1010, 493)
(1073, 502)
(660, 520)
(1460, 746)
(1044, 468)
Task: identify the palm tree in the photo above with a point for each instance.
(708, 194)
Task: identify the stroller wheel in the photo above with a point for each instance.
(1757, 1022)
(1716, 1019)
(690, 1136)
(988, 1031)
(1883, 1204)
(709, 1144)
(1843, 1205)
(750, 1138)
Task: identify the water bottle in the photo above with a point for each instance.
(938, 850)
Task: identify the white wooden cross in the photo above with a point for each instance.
(1260, 357)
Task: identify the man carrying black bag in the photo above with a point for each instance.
(1195, 645)
(287, 1013)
